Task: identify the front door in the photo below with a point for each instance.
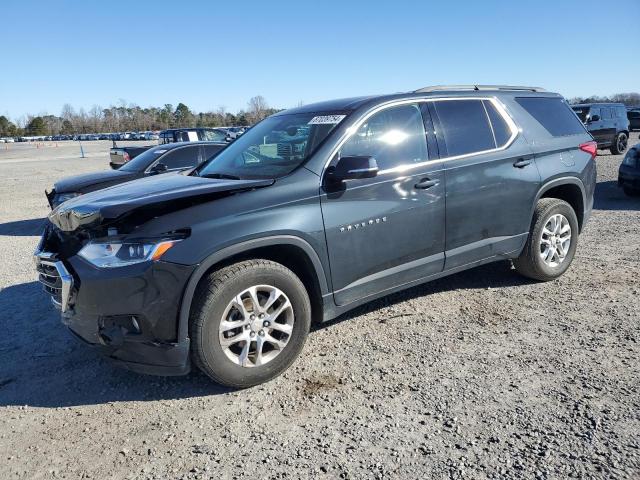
(386, 231)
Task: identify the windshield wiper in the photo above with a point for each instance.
(221, 176)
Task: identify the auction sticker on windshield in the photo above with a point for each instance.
(326, 120)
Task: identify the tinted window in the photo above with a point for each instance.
(553, 114)
(395, 136)
(501, 130)
(274, 147)
(181, 157)
(211, 150)
(606, 113)
(142, 161)
(465, 126)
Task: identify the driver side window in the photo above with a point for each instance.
(394, 137)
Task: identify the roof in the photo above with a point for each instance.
(353, 103)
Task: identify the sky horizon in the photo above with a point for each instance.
(207, 56)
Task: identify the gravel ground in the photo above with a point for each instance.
(479, 375)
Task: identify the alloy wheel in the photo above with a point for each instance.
(256, 326)
(555, 241)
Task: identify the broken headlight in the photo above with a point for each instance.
(106, 254)
(63, 197)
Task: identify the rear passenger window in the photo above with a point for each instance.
(501, 131)
(395, 136)
(465, 126)
(606, 113)
(553, 114)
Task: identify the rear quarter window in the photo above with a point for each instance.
(553, 114)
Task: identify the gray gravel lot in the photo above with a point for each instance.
(479, 375)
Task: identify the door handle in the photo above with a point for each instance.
(522, 163)
(425, 183)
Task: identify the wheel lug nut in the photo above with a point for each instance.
(252, 317)
(261, 315)
(261, 333)
(246, 327)
(266, 323)
(252, 334)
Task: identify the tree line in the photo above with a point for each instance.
(629, 99)
(131, 117)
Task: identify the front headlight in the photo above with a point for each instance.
(63, 197)
(121, 253)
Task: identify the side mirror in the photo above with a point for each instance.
(349, 168)
(158, 168)
(594, 118)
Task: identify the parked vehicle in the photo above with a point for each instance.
(607, 123)
(193, 135)
(634, 119)
(156, 160)
(314, 211)
(629, 172)
(121, 155)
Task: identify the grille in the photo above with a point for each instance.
(55, 279)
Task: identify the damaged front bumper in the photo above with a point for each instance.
(129, 314)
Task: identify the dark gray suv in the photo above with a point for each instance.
(312, 212)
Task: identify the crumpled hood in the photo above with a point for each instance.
(94, 208)
(80, 182)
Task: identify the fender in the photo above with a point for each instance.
(556, 182)
(227, 252)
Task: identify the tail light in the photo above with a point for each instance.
(591, 148)
(126, 157)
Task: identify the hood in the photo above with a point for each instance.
(81, 183)
(168, 192)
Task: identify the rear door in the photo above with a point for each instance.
(492, 179)
(386, 231)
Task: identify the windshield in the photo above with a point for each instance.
(582, 112)
(142, 161)
(273, 148)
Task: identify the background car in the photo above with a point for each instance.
(629, 172)
(154, 161)
(634, 119)
(607, 123)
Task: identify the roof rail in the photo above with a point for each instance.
(448, 88)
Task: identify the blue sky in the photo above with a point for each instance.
(206, 55)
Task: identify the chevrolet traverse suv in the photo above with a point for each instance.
(313, 211)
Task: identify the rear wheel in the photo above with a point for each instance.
(552, 241)
(249, 322)
(619, 143)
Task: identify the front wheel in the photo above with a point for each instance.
(249, 322)
(552, 241)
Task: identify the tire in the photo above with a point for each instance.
(620, 143)
(530, 262)
(631, 192)
(213, 300)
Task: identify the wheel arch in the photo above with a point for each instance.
(569, 189)
(291, 251)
